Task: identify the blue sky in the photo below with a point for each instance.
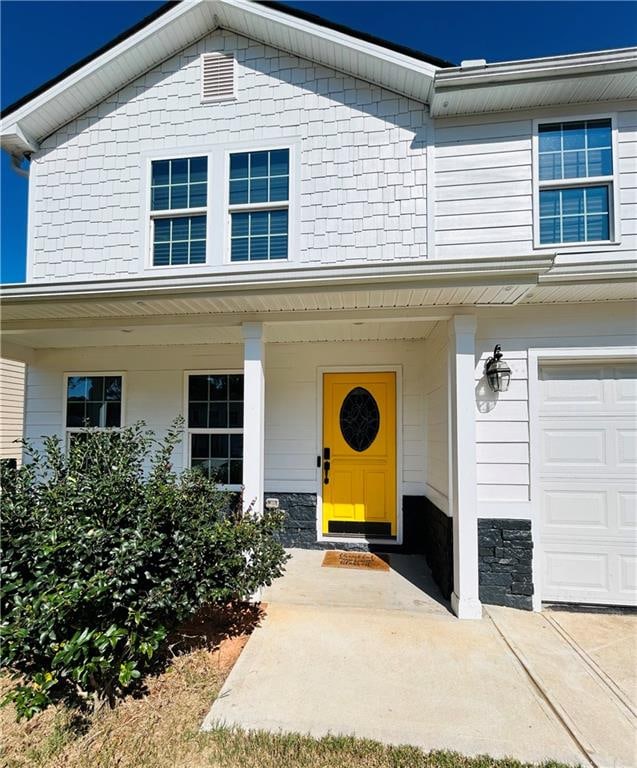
(40, 39)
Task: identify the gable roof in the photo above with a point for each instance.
(472, 88)
(165, 7)
(176, 25)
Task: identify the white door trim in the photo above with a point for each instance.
(537, 356)
(398, 371)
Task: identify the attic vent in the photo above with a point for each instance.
(217, 77)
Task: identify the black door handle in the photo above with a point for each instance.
(326, 470)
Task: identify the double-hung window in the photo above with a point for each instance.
(575, 181)
(259, 205)
(178, 198)
(93, 401)
(215, 426)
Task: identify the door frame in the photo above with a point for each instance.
(536, 357)
(397, 370)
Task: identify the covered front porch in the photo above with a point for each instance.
(284, 348)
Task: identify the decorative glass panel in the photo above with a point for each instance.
(94, 401)
(359, 419)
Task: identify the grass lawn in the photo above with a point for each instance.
(161, 730)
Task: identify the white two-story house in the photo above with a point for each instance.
(308, 242)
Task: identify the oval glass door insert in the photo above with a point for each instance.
(359, 419)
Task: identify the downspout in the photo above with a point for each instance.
(16, 164)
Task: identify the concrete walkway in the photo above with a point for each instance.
(379, 655)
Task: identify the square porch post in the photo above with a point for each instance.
(253, 416)
(465, 600)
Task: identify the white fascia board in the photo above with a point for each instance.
(602, 271)
(450, 84)
(441, 272)
(327, 35)
(532, 69)
(96, 64)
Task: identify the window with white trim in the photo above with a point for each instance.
(215, 426)
(178, 199)
(93, 401)
(575, 181)
(259, 205)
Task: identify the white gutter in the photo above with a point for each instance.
(440, 272)
(594, 63)
(620, 271)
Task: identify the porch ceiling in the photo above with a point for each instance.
(21, 312)
(195, 334)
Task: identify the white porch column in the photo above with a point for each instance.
(253, 416)
(465, 599)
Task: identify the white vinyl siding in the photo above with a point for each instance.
(12, 376)
(502, 432)
(436, 434)
(484, 200)
(484, 186)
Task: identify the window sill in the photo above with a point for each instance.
(582, 246)
(218, 268)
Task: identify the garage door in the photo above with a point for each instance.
(588, 486)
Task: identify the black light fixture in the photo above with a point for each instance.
(497, 371)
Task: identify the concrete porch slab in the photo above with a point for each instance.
(407, 586)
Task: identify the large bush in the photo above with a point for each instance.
(105, 550)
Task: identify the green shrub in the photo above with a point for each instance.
(105, 550)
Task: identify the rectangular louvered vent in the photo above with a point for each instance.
(217, 77)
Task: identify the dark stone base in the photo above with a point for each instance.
(437, 536)
(505, 560)
(299, 528)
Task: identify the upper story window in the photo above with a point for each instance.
(189, 223)
(575, 180)
(178, 210)
(93, 401)
(259, 205)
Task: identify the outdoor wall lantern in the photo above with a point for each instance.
(497, 371)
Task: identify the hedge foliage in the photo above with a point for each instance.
(105, 551)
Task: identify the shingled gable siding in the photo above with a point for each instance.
(362, 166)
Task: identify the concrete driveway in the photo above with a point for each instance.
(379, 655)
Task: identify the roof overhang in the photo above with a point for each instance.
(438, 273)
(182, 24)
(366, 297)
(580, 78)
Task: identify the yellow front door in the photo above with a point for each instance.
(359, 454)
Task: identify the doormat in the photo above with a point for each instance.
(364, 561)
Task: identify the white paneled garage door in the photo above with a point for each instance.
(588, 486)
